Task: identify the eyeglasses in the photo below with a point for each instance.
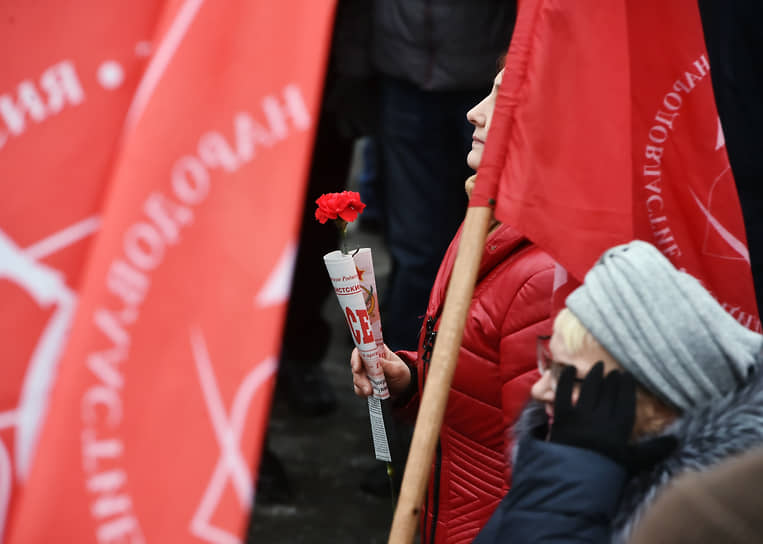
(547, 363)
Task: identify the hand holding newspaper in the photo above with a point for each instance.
(359, 303)
(355, 286)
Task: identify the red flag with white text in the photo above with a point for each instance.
(606, 130)
(62, 105)
(155, 157)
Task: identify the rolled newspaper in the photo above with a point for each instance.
(355, 287)
(364, 265)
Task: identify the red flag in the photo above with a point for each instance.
(63, 96)
(159, 406)
(606, 130)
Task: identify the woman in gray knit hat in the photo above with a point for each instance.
(645, 377)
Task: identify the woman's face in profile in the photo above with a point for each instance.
(480, 116)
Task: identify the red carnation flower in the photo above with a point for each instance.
(345, 206)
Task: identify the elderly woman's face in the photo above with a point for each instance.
(480, 116)
(651, 414)
(544, 390)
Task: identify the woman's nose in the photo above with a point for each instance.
(475, 116)
(543, 389)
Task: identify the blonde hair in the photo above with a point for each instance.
(576, 337)
(652, 414)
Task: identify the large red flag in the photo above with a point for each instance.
(160, 400)
(606, 130)
(67, 80)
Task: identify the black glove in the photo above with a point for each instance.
(603, 418)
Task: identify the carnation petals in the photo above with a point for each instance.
(345, 205)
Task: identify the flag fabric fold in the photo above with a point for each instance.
(160, 398)
(606, 130)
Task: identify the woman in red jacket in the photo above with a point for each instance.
(496, 367)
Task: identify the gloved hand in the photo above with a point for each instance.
(603, 417)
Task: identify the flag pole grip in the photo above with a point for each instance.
(440, 375)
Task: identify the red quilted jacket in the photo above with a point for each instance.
(495, 370)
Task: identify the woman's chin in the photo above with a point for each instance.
(473, 159)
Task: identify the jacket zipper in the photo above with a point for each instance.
(426, 356)
(429, 339)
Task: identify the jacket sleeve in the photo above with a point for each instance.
(407, 405)
(525, 319)
(560, 494)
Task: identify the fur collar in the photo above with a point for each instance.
(706, 436)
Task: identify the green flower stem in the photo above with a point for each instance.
(342, 226)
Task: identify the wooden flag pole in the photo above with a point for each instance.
(440, 375)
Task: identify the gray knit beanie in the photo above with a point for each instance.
(664, 327)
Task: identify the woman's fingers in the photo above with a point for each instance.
(361, 384)
(396, 371)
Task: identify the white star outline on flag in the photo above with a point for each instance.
(45, 285)
(228, 430)
(737, 245)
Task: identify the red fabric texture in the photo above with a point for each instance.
(606, 130)
(177, 143)
(496, 367)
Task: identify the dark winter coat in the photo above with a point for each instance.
(495, 370)
(723, 504)
(566, 494)
(442, 45)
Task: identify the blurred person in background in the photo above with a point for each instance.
(434, 60)
(722, 504)
(644, 378)
(496, 367)
(348, 111)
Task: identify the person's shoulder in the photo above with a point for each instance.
(526, 273)
(731, 487)
(516, 284)
(518, 251)
(707, 436)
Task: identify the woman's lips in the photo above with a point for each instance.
(550, 414)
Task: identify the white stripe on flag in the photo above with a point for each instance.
(63, 238)
(160, 60)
